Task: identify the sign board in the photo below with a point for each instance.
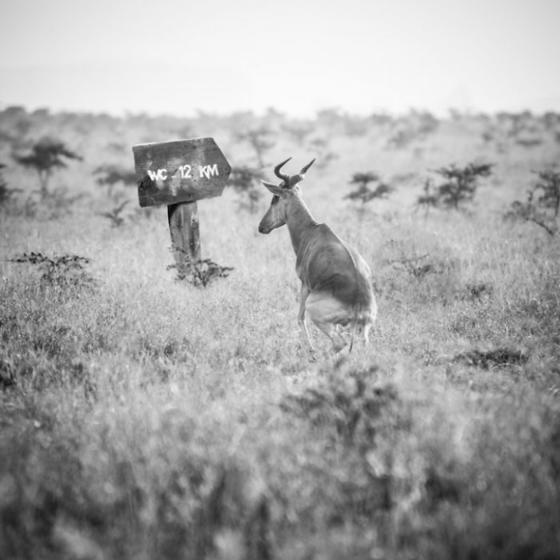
(179, 171)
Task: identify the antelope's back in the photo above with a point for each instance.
(328, 265)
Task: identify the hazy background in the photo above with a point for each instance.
(178, 56)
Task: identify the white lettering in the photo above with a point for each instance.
(159, 175)
(185, 171)
(208, 170)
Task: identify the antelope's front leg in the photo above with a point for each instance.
(301, 314)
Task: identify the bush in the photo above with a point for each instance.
(204, 271)
(542, 206)
(459, 187)
(63, 271)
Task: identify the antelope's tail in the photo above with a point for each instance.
(356, 322)
(355, 327)
(362, 320)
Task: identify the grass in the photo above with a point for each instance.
(142, 417)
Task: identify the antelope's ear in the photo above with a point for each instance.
(274, 189)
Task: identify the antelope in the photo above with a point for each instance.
(335, 279)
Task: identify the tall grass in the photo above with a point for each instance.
(145, 418)
(141, 417)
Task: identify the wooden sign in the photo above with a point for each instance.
(179, 171)
(177, 174)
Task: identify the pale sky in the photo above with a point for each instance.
(298, 56)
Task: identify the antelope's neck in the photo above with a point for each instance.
(299, 221)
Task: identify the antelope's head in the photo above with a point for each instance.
(276, 215)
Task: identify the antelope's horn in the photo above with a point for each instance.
(304, 169)
(284, 178)
(295, 179)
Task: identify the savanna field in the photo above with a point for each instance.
(142, 417)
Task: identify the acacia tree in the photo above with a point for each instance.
(47, 155)
(110, 175)
(460, 184)
(364, 193)
(542, 206)
(548, 188)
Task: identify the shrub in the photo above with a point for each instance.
(353, 404)
(202, 272)
(63, 271)
(487, 359)
(542, 206)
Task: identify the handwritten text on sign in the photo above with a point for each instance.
(179, 171)
(185, 172)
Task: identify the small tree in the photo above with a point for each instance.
(110, 175)
(6, 194)
(548, 187)
(542, 206)
(47, 155)
(364, 194)
(460, 184)
(429, 199)
(114, 215)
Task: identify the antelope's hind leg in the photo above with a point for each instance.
(366, 330)
(326, 312)
(333, 333)
(301, 316)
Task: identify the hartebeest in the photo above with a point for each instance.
(335, 279)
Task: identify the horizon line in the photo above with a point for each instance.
(446, 112)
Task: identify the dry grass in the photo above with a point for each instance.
(145, 418)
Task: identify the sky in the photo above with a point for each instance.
(297, 56)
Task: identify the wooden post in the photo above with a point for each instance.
(185, 235)
(177, 174)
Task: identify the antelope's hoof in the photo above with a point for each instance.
(338, 347)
